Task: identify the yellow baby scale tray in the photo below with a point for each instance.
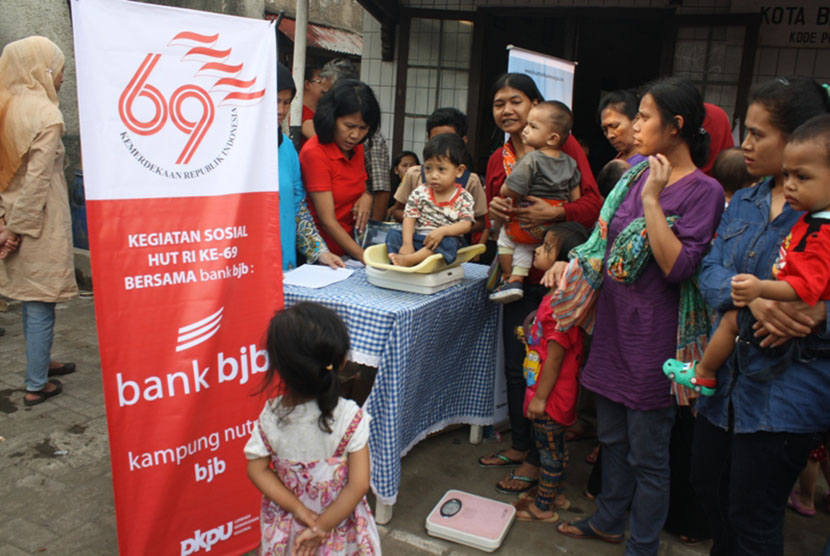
(429, 276)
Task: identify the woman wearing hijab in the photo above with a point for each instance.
(35, 227)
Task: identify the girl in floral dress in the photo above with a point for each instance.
(308, 452)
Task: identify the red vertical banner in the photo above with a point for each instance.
(179, 138)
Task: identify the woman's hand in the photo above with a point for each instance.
(500, 209)
(9, 241)
(553, 275)
(330, 259)
(537, 212)
(784, 319)
(658, 177)
(362, 209)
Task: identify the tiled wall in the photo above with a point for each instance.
(379, 74)
(772, 62)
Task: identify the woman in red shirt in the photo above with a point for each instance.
(332, 164)
(514, 94)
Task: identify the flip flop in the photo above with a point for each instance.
(684, 374)
(43, 395)
(529, 484)
(798, 506)
(529, 495)
(505, 462)
(588, 532)
(523, 514)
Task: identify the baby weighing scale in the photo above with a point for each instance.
(470, 520)
(429, 276)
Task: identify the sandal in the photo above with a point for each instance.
(523, 513)
(530, 495)
(43, 395)
(586, 531)
(63, 369)
(593, 456)
(529, 484)
(794, 504)
(684, 375)
(505, 462)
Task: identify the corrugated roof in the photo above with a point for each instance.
(326, 38)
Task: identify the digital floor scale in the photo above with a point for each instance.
(470, 520)
(430, 276)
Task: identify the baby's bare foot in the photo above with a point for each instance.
(402, 260)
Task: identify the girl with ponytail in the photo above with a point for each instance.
(308, 452)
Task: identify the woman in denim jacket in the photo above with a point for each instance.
(753, 436)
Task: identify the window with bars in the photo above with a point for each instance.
(438, 71)
(711, 58)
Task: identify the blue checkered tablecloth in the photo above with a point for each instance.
(435, 356)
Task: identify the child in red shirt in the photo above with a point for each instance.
(551, 366)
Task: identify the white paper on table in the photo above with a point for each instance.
(315, 276)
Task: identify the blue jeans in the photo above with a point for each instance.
(635, 473)
(743, 482)
(448, 246)
(38, 328)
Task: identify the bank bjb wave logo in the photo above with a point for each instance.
(181, 110)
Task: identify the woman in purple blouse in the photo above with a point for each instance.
(636, 323)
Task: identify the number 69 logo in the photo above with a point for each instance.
(139, 87)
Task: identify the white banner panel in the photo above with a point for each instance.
(553, 76)
(194, 96)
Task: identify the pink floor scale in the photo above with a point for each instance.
(470, 520)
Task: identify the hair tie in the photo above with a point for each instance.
(329, 367)
(702, 131)
(826, 88)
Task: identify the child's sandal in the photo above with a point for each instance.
(684, 374)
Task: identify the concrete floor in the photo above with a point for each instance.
(56, 490)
